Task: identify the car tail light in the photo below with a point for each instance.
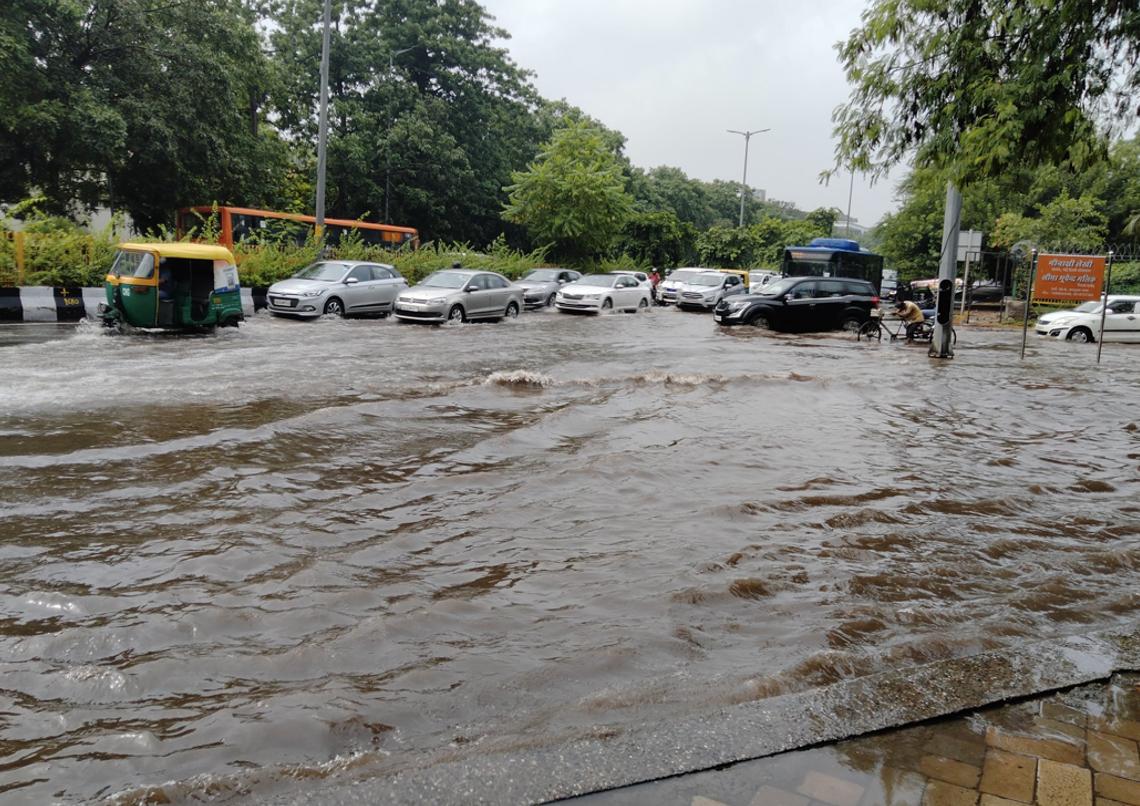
(875, 302)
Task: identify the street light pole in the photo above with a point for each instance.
(388, 150)
(850, 194)
(323, 125)
(744, 182)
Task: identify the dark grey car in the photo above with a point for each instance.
(540, 286)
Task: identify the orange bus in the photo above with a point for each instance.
(240, 224)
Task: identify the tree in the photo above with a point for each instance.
(979, 88)
(146, 106)
(573, 195)
(658, 239)
(447, 120)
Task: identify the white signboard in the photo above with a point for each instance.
(969, 242)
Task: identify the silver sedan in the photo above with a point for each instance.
(460, 295)
(540, 286)
(337, 288)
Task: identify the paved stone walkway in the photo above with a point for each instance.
(1077, 748)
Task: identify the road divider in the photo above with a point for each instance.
(48, 304)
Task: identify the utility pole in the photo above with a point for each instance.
(323, 126)
(940, 346)
(744, 181)
(388, 150)
(850, 194)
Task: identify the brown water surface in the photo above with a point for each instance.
(328, 548)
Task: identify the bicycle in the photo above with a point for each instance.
(874, 328)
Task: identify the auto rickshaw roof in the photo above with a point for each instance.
(190, 251)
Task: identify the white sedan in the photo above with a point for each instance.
(1121, 323)
(600, 293)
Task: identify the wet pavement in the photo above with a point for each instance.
(329, 551)
(1076, 748)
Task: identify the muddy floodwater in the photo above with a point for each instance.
(328, 549)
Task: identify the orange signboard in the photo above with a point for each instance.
(1069, 277)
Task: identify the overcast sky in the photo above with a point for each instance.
(673, 75)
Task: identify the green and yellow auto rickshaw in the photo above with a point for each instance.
(172, 286)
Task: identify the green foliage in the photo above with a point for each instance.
(982, 89)
(144, 106)
(761, 245)
(573, 195)
(659, 239)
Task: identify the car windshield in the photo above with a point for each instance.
(447, 279)
(604, 280)
(542, 275)
(681, 276)
(1087, 307)
(325, 272)
(778, 287)
(707, 279)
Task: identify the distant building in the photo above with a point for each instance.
(759, 194)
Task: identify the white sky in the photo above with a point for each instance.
(673, 75)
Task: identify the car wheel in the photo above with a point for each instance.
(456, 314)
(512, 310)
(1080, 334)
(607, 304)
(761, 321)
(334, 307)
(550, 299)
(851, 325)
(642, 304)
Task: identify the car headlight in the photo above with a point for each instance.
(311, 293)
(591, 296)
(736, 305)
(436, 301)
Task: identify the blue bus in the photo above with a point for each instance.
(833, 257)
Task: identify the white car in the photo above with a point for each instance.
(1121, 323)
(667, 288)
(758, 279)
(599, 293)
(705, 289)
(641, 277)
(1084, 307)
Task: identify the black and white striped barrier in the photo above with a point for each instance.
(47, 304)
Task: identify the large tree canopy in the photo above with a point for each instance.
(980, 87)
(152, 104)
(573, 195)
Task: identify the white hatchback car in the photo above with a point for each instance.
(1121, 323)
(599, 293)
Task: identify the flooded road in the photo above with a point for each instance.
(326, 549)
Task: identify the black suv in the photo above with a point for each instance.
(801, 304)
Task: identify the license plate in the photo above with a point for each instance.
(285, 303)
(716, 317)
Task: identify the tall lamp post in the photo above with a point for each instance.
(388, 151)
(323, 126)
(744, 182)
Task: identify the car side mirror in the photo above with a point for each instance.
(468, 289)
(351, 281)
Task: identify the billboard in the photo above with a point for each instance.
(1069, 277)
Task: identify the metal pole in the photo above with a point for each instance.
(1104, 307)
(1028, 299)
(388, 148)
(744, 181)
(965, 286)
(948, 270)
(850, 195)
(323, 126)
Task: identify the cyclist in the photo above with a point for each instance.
(910, 313)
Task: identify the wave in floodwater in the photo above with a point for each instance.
(325, 550)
